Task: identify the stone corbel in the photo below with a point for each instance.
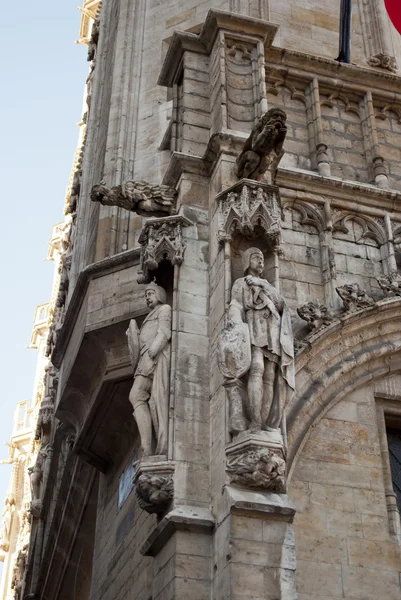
(247, 207)
(161, 239)
(257, 460)
(154, 485)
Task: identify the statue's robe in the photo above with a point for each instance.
(157, 325)
(269, 322)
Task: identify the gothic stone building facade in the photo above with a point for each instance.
(269, 379)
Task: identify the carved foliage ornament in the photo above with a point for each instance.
(260, 468)
(138, 196)
(161, 239)
(263, 149)
(316, 315)
(390, 284)
(154, 492)
(354, 297)
(249, 206)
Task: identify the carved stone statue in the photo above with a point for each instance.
(6, 525)
(150, 357)
(258, 342)
(19, 572)
(316, 314)
(263, 149)
(43, 433)
(354, 297)
(138, 196)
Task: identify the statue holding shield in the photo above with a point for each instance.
(150, 356)
(256, 350)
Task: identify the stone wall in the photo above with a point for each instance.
(343, 539)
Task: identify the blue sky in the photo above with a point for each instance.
(43, 75)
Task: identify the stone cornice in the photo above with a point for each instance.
(306, 66)
(114, 263)
(202, 43)
(181, 518)
(333, 188)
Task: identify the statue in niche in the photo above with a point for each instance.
(150, 357)
(6, 525)
(263, 149)
(256, 350)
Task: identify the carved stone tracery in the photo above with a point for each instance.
(248, 206)
(161, 239)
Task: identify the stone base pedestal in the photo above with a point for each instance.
(257, 460)
(154, 486)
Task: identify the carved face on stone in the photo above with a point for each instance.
(151, 299)
(253, 262)
(154, 295)
(256, 264)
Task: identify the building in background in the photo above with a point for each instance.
(234, 209)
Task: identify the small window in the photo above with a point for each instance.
(394, 447)
(125, 483)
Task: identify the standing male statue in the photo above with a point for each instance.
(150, 356)
(270, 364)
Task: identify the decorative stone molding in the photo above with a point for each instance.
(377, 35)
(254, 8)
(154, 485)
(138, 196)
(390, 284)
(263, 149)
(161, 239)
(384, 61)
(247, 206)
(257, 461)
(316, 315)
(354, 297)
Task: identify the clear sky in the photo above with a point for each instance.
(42, 75)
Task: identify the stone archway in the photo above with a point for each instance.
(361, 347)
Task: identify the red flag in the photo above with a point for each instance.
(394, 12)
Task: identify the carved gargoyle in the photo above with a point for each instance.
(316, 315)
(354, 297)
(390, 284)
(263, 149)
(138, 196)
